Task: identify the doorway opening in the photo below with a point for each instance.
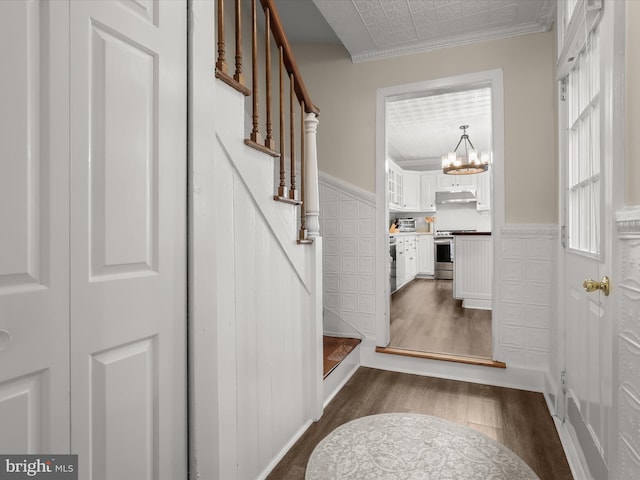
(437, 230)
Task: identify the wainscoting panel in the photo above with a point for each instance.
(347, 223)
(527, 302)
(629, 345)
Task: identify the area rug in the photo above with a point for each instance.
(402, 446)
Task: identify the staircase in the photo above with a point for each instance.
(256, 283)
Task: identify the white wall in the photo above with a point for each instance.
(346, 95)
(632, 104)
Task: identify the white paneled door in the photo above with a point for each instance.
(93, 234)
(34, 226)
(128, 238)
(589, 157)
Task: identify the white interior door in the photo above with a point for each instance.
(34, 226)
(128, 238)
(587, 161)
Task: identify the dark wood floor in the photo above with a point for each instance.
(335, 350)
(518, 419)
(426, 317)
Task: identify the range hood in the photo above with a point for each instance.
(455, 196)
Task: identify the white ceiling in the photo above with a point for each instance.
(420, 129)
(372, 29)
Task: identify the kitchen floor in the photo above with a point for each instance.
(425, 317)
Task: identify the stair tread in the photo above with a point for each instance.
(335, 350)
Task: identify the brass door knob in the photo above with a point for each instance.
(593, 285)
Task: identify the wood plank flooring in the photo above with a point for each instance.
(426, 317)
(518, 419)
(335, 350)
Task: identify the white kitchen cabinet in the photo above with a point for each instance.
(395, 187)
(425, 255)
(483, 191)
(400, 261)
(450, 182)
(410, 191)
(428, 186)
(411, 258)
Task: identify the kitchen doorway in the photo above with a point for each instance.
(444, 311)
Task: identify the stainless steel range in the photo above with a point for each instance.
(444, 254)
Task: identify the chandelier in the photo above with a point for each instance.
(470, 163)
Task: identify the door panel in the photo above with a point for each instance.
(128, 239)
(34, 224)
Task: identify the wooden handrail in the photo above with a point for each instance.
(289, 61)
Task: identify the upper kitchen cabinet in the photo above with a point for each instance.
(395, 186)
(455, 181)
(428, 186)
(483, 191)
(410, 191)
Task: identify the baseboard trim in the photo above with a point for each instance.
(573, 459)
(476, 303)
(265, 473)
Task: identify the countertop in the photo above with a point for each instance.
(471, 233)
(404, 234)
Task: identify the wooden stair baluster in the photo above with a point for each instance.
(282, 188)
(222, 73)
(269, 142)
(238, 75)
(293, 194)
(221, 63)
(255, 132)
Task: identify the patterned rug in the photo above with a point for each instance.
(403, 446)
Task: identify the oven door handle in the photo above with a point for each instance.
(443, 241)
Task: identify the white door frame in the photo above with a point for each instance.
(493, 79)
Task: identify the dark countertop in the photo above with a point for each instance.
(471, 233)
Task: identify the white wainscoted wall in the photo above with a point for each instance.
(628, 395)
(255, 316)
(524, 300)
(347, 225)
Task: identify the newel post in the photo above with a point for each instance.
(311, 181)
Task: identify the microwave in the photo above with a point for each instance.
(406, 224)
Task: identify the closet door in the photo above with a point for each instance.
(34, 227)
(128, 239)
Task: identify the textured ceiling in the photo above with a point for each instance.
(380, 28)
(420, 130)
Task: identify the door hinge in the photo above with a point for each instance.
(563, 236)
(563, 381)
(563, 92)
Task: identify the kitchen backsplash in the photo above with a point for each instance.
(450, 217)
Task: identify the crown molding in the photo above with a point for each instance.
(459, 40)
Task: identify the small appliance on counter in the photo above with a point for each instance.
(406, 224)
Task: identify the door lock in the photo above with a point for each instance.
(593, 285)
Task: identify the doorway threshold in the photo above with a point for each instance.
(483, 362)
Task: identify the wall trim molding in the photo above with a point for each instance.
(628, 222)
(363, 195)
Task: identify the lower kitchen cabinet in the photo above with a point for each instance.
(425, 255)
